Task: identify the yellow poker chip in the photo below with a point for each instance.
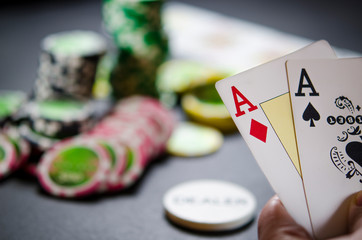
(194, 140)
(204, 105)
(179, 76)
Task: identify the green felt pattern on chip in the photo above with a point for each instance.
(74, 43)
(2, 154)
(74, 166)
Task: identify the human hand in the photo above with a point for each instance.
(275, 223)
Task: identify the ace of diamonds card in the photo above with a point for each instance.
(326, 104)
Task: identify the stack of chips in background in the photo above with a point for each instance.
(142, 45)
(68, 64)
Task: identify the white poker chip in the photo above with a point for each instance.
(209, 205)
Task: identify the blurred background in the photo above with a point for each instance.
(228, 36)
(24, 24)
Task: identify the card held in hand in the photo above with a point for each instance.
(326, 104)
(259, 104)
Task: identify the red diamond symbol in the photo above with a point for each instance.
(258, 130)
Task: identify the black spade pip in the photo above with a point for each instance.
(311, 114)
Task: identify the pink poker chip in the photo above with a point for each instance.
(76, 168)
(133, 170)
(8, 157)
(22, 147)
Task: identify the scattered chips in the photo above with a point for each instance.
(209, 205)
(126, 140)
(194, 140)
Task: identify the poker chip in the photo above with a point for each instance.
(59, 118)
(37, 141)
(68, 64)
(22, 147)
(74, 168)
(118, 156)
(194, 140)
(8, 156)
(133, 168)
(209, 205)
(203, 105)
(180, 76)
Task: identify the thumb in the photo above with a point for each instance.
(276, 224)
(355, 216)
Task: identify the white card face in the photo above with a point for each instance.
(258, 102)
(326, 101)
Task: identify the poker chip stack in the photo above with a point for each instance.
(111, 156)
(67, 65)
(62, 103)
(136, 29)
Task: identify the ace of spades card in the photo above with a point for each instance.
(259, 104)
(326, 104)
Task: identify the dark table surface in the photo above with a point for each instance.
(28, 213)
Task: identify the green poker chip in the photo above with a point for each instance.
(194, 140)
(74, 168)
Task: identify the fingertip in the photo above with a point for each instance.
(355, 213)
(358, 199)
(276, 223)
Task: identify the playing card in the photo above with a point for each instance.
(258, 102)
(326, 102)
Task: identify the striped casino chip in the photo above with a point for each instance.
(134, 167)
(74, 168)
(8, 157)
(151, 108)
(22, 147)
